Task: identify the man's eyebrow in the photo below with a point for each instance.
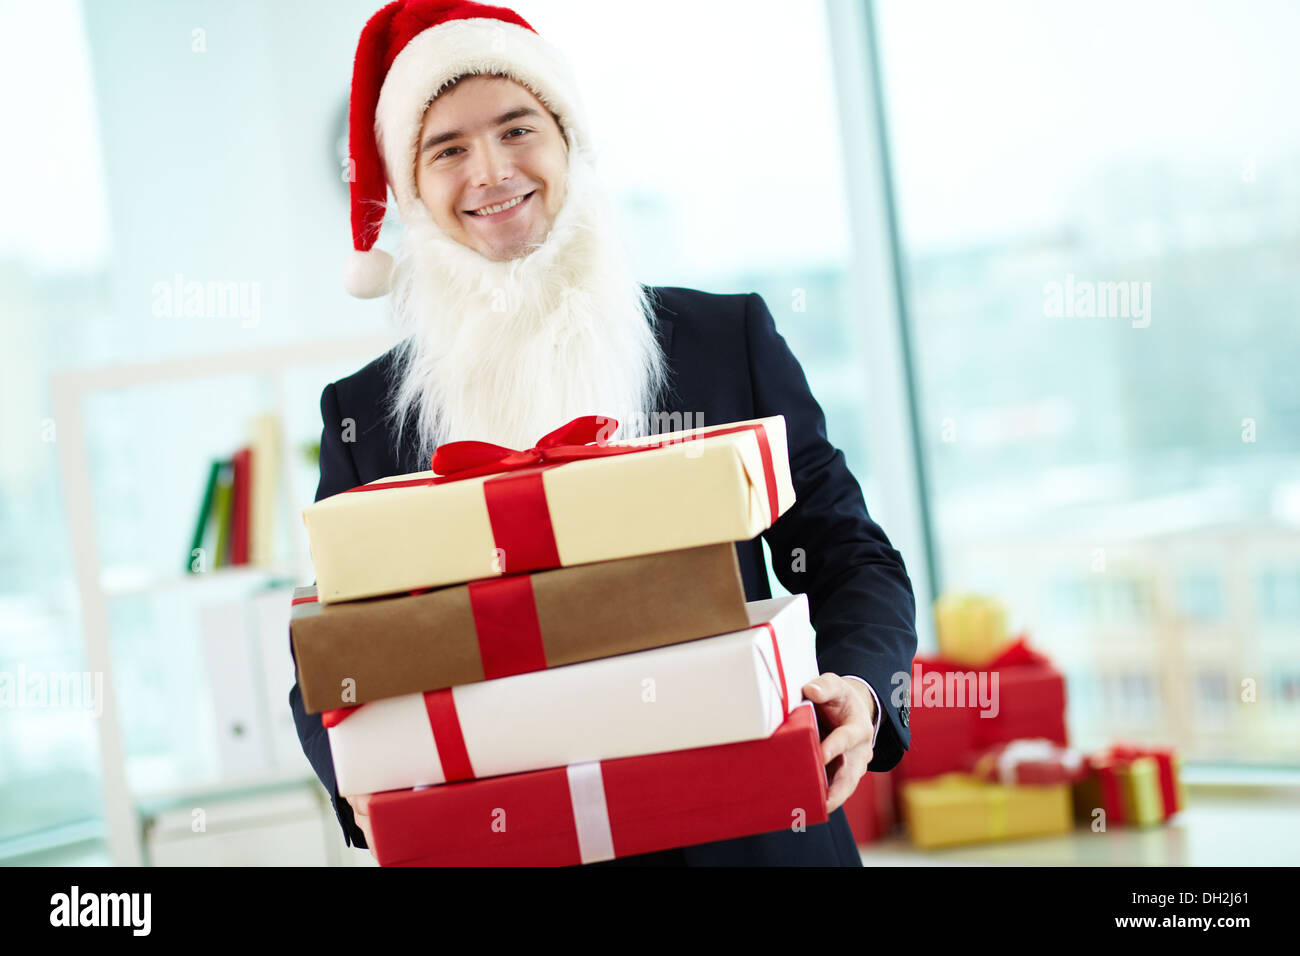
(514, 114)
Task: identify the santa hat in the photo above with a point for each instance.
(407, 52)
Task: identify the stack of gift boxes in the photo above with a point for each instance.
(545, 657)
(990, 756)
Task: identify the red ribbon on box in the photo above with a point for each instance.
(780, 668)
(447, 735)
(505, 624)
(1017, 653)
(516, 500)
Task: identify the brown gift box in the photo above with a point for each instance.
(359, 651)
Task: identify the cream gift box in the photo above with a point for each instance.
(679, 490)
(714, 690)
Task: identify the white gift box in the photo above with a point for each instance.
(715, 690)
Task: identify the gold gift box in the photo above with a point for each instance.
(956, 808)
(970, 629)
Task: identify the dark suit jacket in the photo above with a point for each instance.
(728, 363)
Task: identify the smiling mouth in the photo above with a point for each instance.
(489, 211)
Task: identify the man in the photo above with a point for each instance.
(518, 312)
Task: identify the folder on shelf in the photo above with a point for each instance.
(261, 516)
(221, 515)
(239, 507)
(204, 520)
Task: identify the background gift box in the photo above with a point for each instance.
(958, 711)
(871, 808)
(970, 628)
(1134, 786)
(958, 808)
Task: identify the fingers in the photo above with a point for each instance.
(832, 695)
(846, 779)
(843, 739)
(848, 745)
(844, 709)
(360, 804)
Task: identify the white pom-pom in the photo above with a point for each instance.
(368, 275)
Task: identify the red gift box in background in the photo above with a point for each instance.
(1031, 694)
(942, 737)
(615, 808)
(870, 808)
(1029, 702)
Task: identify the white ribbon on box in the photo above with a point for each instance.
(590, 812)
(1035, 750)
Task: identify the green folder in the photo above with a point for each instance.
(221, 513)
(205, 513)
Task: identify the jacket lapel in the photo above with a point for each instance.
(668, 399)
(664, 329)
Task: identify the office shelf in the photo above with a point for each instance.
(97, 585)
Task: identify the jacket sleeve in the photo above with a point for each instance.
(827, 546)
(337, 473)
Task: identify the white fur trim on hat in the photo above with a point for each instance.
(368, 275)
(444, 52)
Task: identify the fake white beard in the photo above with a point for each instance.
(505, 352)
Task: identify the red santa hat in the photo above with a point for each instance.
(407, 52)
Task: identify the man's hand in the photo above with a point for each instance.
(360, 804)
(847, 706)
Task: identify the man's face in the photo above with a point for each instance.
(485, 142)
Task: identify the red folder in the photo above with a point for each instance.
(239, 512)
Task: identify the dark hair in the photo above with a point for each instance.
(495, 74)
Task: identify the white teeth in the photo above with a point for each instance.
(490, 210)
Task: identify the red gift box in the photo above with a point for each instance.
(870, 808)
(600, 810)
(941, 739)
(1028, 700)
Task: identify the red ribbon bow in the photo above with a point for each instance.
(516, 502)
(585, 437)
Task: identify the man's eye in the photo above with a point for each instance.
(450, 150)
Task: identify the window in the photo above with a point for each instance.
(1098, 225)
(52, 281)
(1200, 594)
(1278, 590)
